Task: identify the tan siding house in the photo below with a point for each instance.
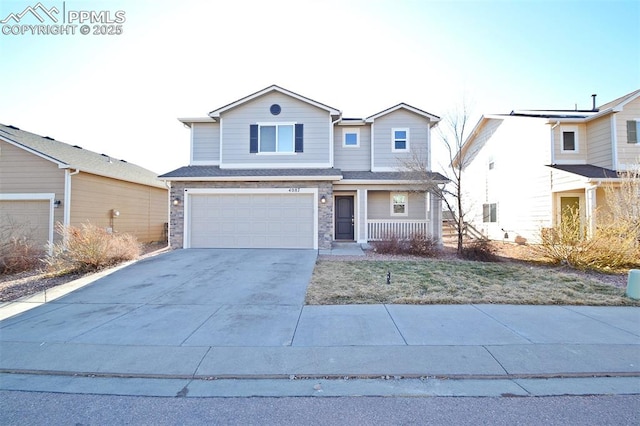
(44, 182)
(544, 161)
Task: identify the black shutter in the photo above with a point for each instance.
(299, 138)
(253, 138)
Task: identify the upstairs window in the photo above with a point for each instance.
(633, 128)
(284, 138)
(569, 139)
(399, 204)
(351, 137)
(278, 138)
(400, 140)
(490, 213)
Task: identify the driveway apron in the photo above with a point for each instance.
(188, 300)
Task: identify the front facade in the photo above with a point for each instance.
(44, 182)
(279, 170)
(525, 169)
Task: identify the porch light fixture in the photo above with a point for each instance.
(57, 203)
(323, 199)
(176, 201)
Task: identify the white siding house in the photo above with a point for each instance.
(526, 166)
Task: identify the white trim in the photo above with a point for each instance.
(188, 121)
(38, 196)
(432, 118)
(212, 191)
(234, 166)
(41, 196)
(406, 204)
(216, 113)
(205, 163)
(569, 129)
(393, 139)
(570, 162)
(350, 130)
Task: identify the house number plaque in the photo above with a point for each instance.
(294, 189)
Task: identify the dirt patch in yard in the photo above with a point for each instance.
(24, 284)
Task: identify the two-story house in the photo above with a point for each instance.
(524, 169)
(278, 170)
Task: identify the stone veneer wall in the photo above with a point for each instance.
(325, 211)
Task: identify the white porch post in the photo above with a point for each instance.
(436, 216)
(591, 205)
(361, 231)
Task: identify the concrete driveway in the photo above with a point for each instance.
(196, 314)
(181, 298)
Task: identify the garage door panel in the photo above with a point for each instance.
(27, 218)
(252, 220)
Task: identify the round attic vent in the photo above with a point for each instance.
(275, 109)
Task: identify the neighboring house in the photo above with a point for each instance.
(278, 170)
(44, 182)
(524, 169)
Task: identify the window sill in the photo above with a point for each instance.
(276, 153)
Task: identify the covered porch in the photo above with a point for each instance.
(375, 213)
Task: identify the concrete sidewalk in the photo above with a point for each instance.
(138, 333)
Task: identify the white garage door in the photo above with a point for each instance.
(243, 220)
(25, 218)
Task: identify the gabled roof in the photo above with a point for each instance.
(433, 118)
(75, 157)
(616, 104)
(586, 170)
(273, 88)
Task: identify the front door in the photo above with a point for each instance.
(344, 218)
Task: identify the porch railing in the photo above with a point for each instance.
(402, 229)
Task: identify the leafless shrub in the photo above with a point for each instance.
(481, 250)
(391, 244)
(424, 245)
(90, 247)
(614, 244)
(418, 244)
(18, 251)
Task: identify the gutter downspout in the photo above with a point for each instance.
(67, 196)
(332, 136)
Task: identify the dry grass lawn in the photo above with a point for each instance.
(456, 282)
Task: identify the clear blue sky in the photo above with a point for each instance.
(121, 94)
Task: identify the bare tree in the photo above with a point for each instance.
(452, 132)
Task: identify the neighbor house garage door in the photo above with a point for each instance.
(251, 220)
(26, 218)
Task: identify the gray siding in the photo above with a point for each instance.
(206, 143)
(418, 127)
(235, 133)
(379, 206)
(352, 158)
